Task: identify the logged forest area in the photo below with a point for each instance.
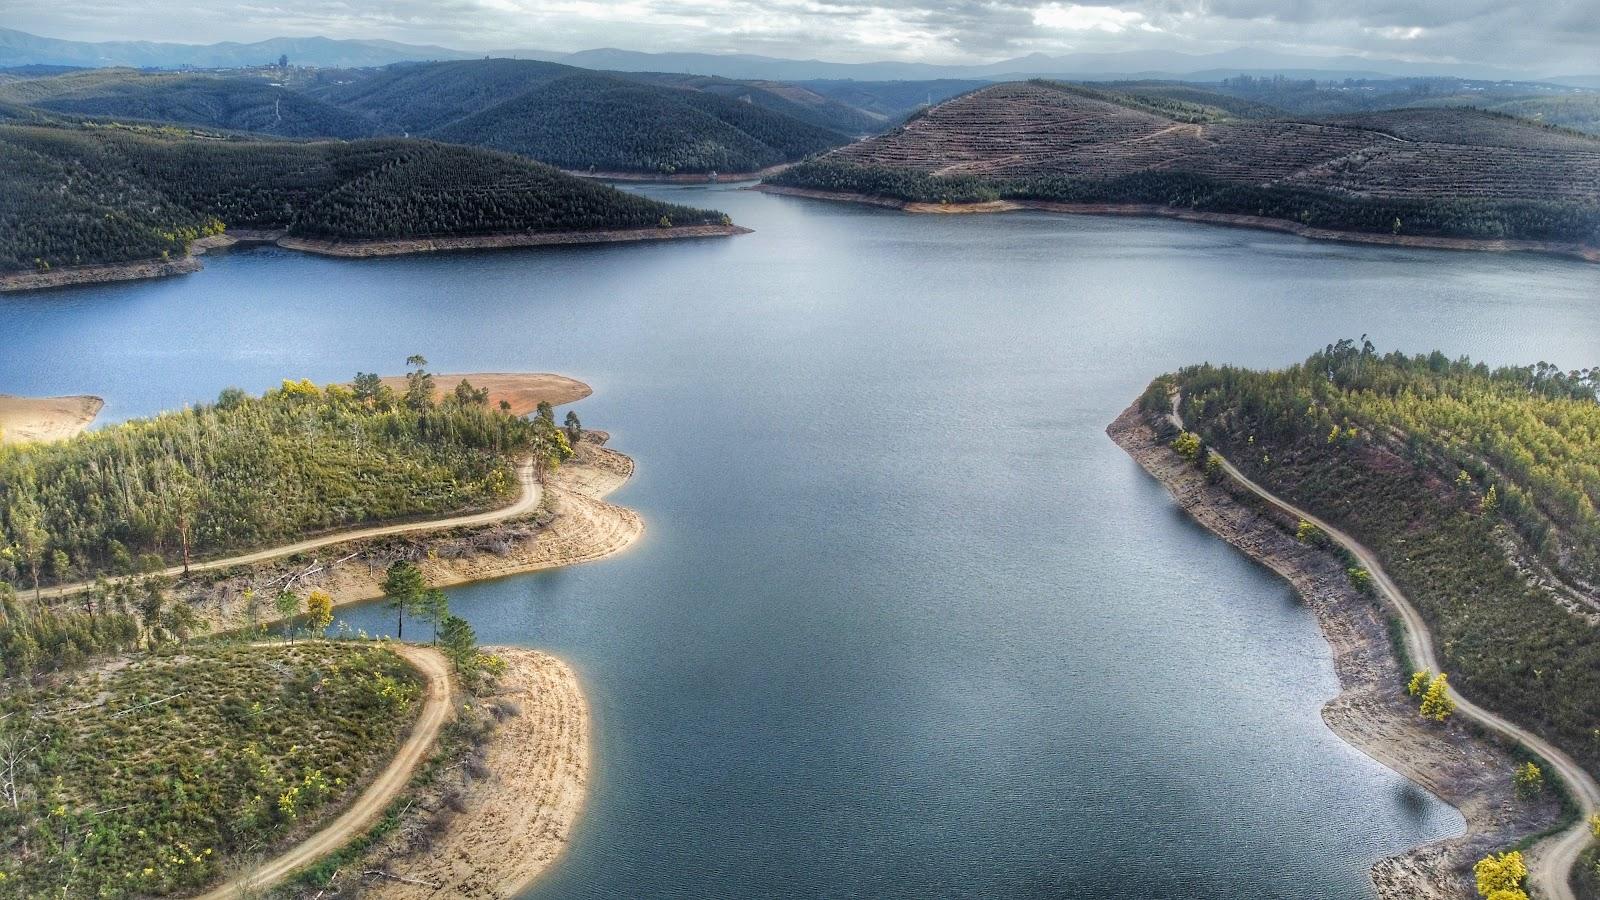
(1431, 171)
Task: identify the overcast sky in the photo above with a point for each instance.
(1543, 35)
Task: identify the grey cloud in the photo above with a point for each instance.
(1545, 35)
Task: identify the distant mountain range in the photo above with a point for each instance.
(19, 48)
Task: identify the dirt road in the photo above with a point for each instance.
(1551, 860)
(372, 802)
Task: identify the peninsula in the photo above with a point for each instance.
(1449, 178)
(1337, 474)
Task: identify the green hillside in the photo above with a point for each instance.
(210, 101)
(82, 195)
(605, 123)
(1477, 487)
(564, 116)
(247, 472)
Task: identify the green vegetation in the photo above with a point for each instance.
(249, 472)
(579, 119)
(612, 124)
(81, 195)
(1501, 877)
(1407, 430)
(209, 101)
(1445, 215)
(107, 792)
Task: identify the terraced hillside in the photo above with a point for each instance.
(1450, 172)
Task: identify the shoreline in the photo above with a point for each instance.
(1371, 711)
(572, 524)
(36, 419)
(680, 178)
(140, 270)
(491, 831)
(1569, 250)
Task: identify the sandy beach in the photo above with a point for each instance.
(523, 390)
(1371, 711)
(25, 419)
(514, 821)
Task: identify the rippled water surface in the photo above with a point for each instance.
(904, 620)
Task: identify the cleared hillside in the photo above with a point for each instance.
(1424, 171)
(86, 195)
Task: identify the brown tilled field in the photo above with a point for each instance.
(1029, 129)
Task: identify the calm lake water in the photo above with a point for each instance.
(905, 622)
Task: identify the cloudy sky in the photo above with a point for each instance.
(1548, 35)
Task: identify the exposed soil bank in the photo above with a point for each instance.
(497, 241)
(681, 178)
(25, 419)
(1371, 712)
(490, 825)
(1556, 248)
(142, 269)
(522, 390)
(572, 524)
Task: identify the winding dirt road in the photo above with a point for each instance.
(378, 795)
(526, 503)
(1551, 860)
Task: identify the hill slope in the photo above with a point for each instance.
(1477, 489)
(209, 101)
(1431, 172)
(84, 195)
(580, 119)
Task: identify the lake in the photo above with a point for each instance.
(904, 621)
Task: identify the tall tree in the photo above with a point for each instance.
(435, 607)
(419, 383)
(403, 588)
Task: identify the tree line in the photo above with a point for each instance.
(1458, 475)
(1441, 216)
(86, 194)
(254, 471)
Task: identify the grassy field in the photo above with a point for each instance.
(156, 776)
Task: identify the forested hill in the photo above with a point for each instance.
(248, 472)
(580, 119)
(568, 117)
(78, 195)
(1450, 172)
(1477, 487)
(237, 103)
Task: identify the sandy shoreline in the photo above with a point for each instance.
(27, 419)
(522, 390)
(573, 524)
(139, 270)
(1151, 210)
(496, 834)
(1371, 711)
